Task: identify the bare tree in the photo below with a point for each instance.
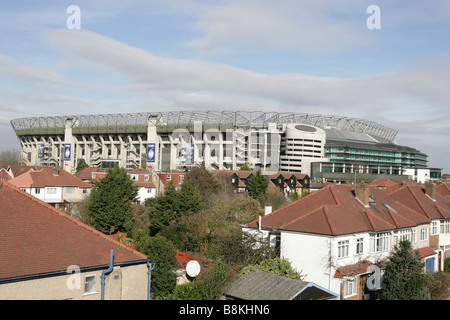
(10, 157)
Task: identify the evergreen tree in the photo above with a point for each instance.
(404, 278)
(109, 208)
(189, 199)
(163, 209)
(163, 253)
(169, 207)
(81, 165)
(258, 185)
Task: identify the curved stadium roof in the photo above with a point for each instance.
(237, 119)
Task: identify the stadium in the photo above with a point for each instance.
(324, 147)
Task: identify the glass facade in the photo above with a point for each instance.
(376, 155)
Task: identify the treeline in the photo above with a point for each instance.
(203, 217)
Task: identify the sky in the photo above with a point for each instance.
(390, 66)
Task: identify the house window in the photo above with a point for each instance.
(350, 288)
(146, 177)
(51, 190)
(406, 234)
(180, 179)
(423, 234)
(70, 190)
(89, 284)
(434, 228)
(37, 190)
(359, 245)
(343, 248)
(445, 226)
(169, 177)
(379, 242)
(85, 190)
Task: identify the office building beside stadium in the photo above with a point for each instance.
(324, 147)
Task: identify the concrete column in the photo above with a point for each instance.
(153, 141)
(68, 156)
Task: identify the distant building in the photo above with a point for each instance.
(326, 148)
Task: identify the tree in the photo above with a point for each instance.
(172, 205)
(190, 200)
(278, 266)
(163, 253)
(404, 278)
(203, 181)
(258, 185)
(109, 208)
(81, 165)
(163, 209)
(10, 157)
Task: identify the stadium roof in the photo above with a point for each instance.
(238, 119)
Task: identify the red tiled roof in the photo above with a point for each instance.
(352, 269)
(334, 210)
(144, 184)
(37, 238)
(383, 183)
(426, 252)
(183, 258)
(47, 178)
(86, 173)
(443, 189)
(413, 196)
(17, 170)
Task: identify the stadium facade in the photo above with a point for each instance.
(324, 147)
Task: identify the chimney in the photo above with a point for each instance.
(430, 189)
(362, 193)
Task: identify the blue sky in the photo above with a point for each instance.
(289, 55)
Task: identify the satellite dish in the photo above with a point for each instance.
(193, 268)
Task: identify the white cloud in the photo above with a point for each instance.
(307, 26)
(29, 73)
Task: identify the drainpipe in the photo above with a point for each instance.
(104, 273)
(148, 281)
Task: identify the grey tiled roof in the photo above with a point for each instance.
(264, 286)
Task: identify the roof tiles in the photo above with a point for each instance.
(334, 210)
(37, 238)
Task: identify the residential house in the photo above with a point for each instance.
(240, 180)
(89, 174)
(175, 177)
(16, 170)
(5, 175)
(145, 181)
(336, 233)
(424, 199)
(267, 286)
(290, 182)
(54, 186)
(46, 254)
